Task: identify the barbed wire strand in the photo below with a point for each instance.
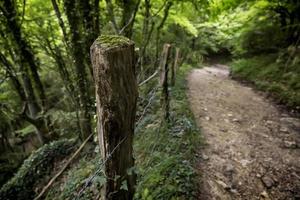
(148, 105)
(90, 180)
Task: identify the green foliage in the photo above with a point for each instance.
(186, 24)
(248, 27)
(64, 122)
(111, 41)
(36, 167)
(277, 78)
(164, 152)
(263, 40)
(218, 6)
(25, 131)
(75, 180)
(9, 164)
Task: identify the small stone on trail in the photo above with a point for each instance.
(283, 130)
(267, 181)
(245, 162)
(205, 157)
(229, 168)
(229, 115)
(236, 120)
(224, 185)
(208, 118)
(290, 144)
(265, 195)
(258, 175)
(234, 191)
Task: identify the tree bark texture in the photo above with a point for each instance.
(130, 8)
(116, 97)
(80, 66)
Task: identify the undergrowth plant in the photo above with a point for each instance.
(75, 179)
(164, 152)
(280, 80)
(35, 169)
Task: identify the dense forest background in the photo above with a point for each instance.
(46, 77)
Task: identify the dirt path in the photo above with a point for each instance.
(252, 149)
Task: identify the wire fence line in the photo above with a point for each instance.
(147, 106)
(98, 171)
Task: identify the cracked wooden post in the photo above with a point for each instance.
(164, 70)
(175, 67)
(116, 98)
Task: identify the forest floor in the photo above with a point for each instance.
(252, 147)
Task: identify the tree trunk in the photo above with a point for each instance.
(116, 97)
(90, 33)
(164, 70)
(145, 37)
(80, 68)
(96, 16)
(29, 68)
(159, 27)
(110, 11)
(130, 8)
(27, 57)
(27, 96)
(60, 21)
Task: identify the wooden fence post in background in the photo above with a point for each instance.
(175, 67)
(163, 81)
(116, 97)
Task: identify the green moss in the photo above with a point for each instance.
(112, 41)
(34, 169)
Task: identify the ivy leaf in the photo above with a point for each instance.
(100, 179)
(124, 185)
(27, 130)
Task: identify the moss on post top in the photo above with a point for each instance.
(112, 41)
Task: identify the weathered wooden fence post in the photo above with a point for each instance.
(164, 70)
(175, 67)
(177, 58)
(116, 97)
